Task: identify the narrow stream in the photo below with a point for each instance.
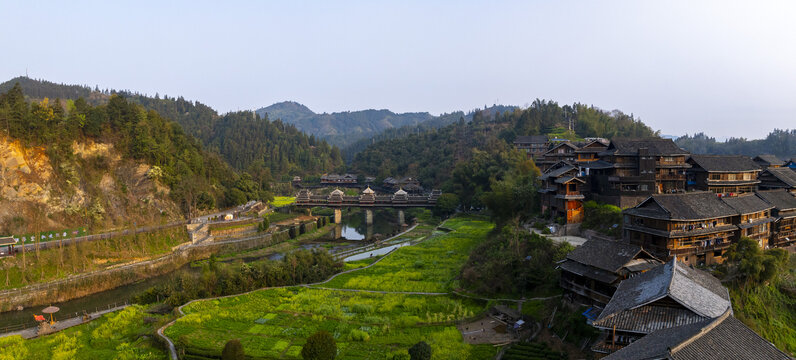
(353, 228)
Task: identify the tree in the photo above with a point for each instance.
(420, 351)
(753, 264)
(233, 350)
(447, 204)
(264, 225)
(319, 346)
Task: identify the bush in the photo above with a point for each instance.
(319, 346)
(233, 350)
(603, 218)
(420, 351)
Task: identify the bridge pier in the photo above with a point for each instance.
(338, 215)
(369, 216)
(401, 217)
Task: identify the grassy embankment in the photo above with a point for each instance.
(769, 309)
(56, 263)
(114, 336)
(274, 323)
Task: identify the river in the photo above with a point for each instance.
(352, 228)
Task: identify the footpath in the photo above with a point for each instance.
(33, 332)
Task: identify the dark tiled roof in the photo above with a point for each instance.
(656, 146)
(535, 139)
(566, 143)
(784, 174)
(566, 179)
(780, 199)
(606, 255)
(725, 163)
(768, 159)
(588, 148)
(683, 206)
(697, 291)
(556, 172)
(588, 271)
(747, 203)
(724, 337)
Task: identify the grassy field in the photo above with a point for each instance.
(280, 201)
(55, 263)
(274, 323)
(114, 336)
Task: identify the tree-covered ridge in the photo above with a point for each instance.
(781, 143)
(196, 177)
(432, 155)
(257, 146)
(350, 151)
(341, 128)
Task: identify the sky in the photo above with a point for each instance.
(723, 67)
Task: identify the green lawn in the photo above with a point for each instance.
(114, 336)
(274, 323)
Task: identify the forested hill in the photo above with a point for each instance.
(432, 155)
(101, 158)
(350, 151)
(259, 146)
(781, 143)
(341, 128)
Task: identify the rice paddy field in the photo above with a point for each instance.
(365, 310)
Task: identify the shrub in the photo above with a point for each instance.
(233, 350)
(319, 346)
(420, 351)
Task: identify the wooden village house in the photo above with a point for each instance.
(697, 227)
(783, 230)
(591, 273)
(533, 146)
(768, 161)
(563, 151)
(753, 217)
(722, 174)
(667, 296)
(562, 192)
(629, 170)
(778, 178)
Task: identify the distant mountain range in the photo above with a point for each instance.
(341, 128)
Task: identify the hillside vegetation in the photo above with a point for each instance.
(263, 148)
(68, 163)
(432, 155)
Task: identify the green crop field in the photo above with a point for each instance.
(429, 266)
(274, 323)
(280, 201)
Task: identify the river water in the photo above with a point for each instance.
(353, 228)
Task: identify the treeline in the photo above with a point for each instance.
(432, 155)
(196, 177)
(781, 143)
(219, 279)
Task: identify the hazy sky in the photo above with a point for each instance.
(728, 68)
